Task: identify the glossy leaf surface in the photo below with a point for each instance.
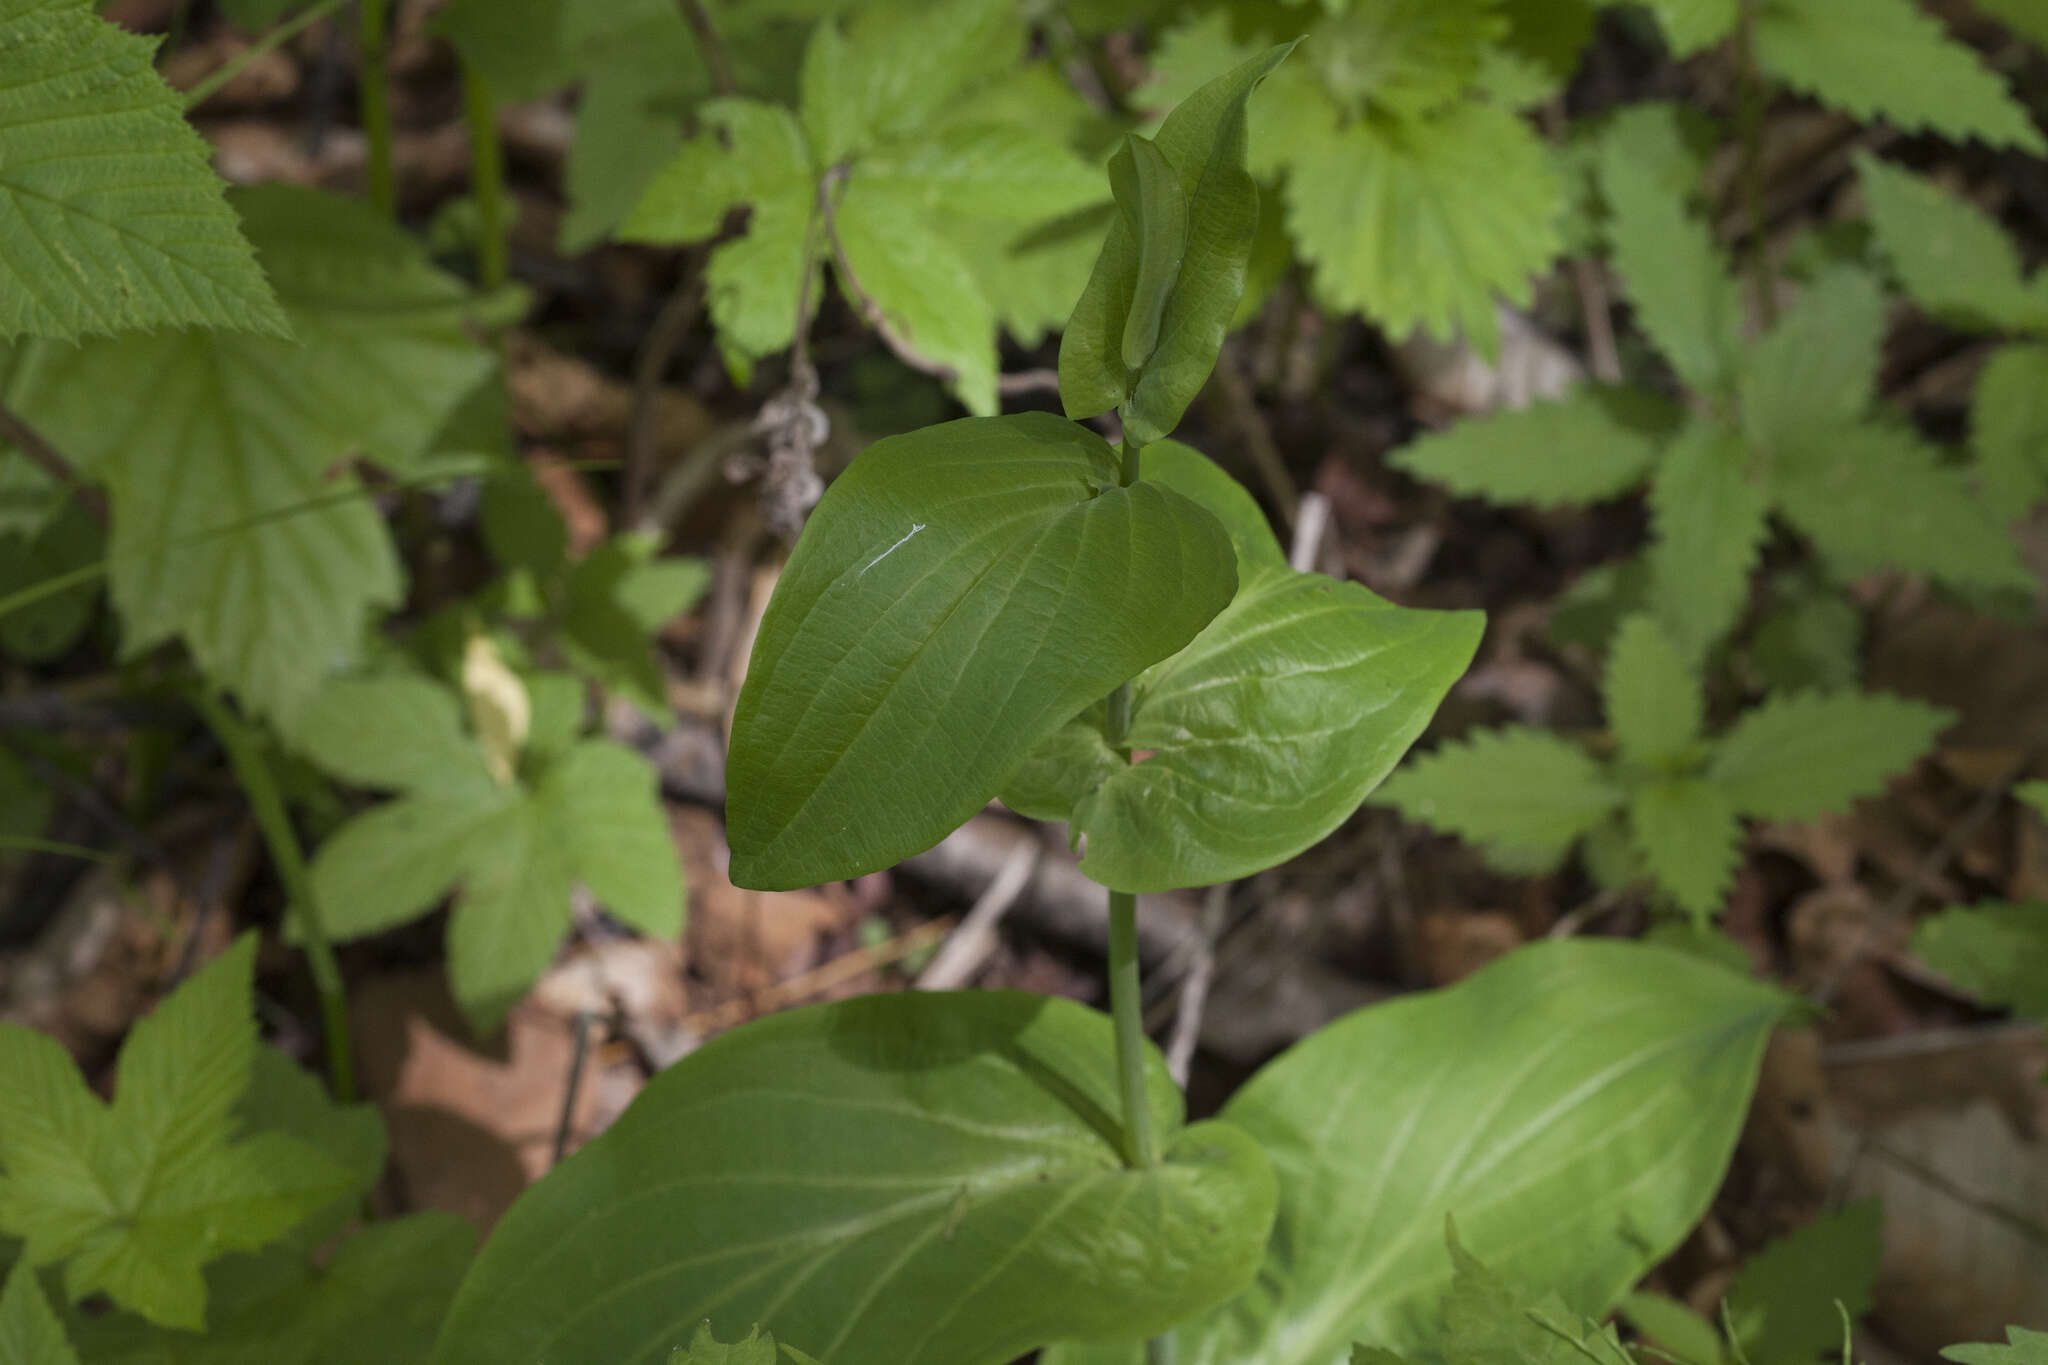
(960, 593)
(1203, 141)
(1572, 1107)
(1272, 725)
(891, 1180)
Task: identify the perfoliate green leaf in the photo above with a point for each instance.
(1815, 372)
(1708, 517)
(1420, 223)
(1797, 757)
(1692, 25)
(1479, 790)
(1783, 1304)
(134, 1199)
(587, 813)
(1596, 442)
(1268, 729)
(1203, 142)
(111, 219)
(1436, 1105)
(1688, 834)
(1951, 257)
(1654, 703)
(30, 1333)
(1873, 496)
(906, 663)
(896, 66)
(236, 527)
(1998, 953)
(1153, 210)
(1889, 60)
(1675, 274)
(2009, 430)
(2023, 1347)
(944, 1187)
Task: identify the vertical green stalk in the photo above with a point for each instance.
(375, 92)
(266, 801)
(1127, 1010)
(486, 176)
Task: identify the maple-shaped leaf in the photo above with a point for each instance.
(1889, 60)
(577, 811)
(1404, 57)
(111, 218)
(134, 1198)
(237, 524)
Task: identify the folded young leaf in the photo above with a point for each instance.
(1268, 729)
(1654, 702)
(30, 1333)
(134, 1199)
(1797, 757)
(1889, 60)
(1816, 371)
(1203, 141)
(1874, 496)
(1479, 790)
(1951, 257)
(1688, 834)
(1998, 953)
(1787, 1301)
(1674, 272)
(2009, 430)
(1596, 442)
(961, 593)
(946, 1186)
(1419, 223)
(227, 456)
(1400, 1115)
(111, 218)
(1708, 518)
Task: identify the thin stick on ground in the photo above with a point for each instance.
(970, 945)
(672, 324)
(272, 38)
(579, 1053)
(1194, 991)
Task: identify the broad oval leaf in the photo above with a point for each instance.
(891, 1180)
(1203, 140)
(1572, 1107)
(960, 593)
(1263, 734)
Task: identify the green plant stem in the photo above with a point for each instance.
(267, 803)
(375, 93)
(486, 176)
(1127, 1010)
(271, 39)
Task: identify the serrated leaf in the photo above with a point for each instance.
(1797, 757)
(1815, 372)
(1996, 952)
(1596, 442)
(283, 1097)
(987, 170)
(1875, 496)
(1692, 25)
(1267, 730)
(1536, 58)
(1688, 834)
(2022, 1347)
(705, 1349)
(895, 67)
(133, 1199)
(945, 1187)
(1030, 276)
(1675, 273)
(1889, 60)
(1203, 140)
(905, 664)
(1812, 637)
(920, 288)
(1420, 223)
(1786, 1304)
(1708, 518)
(1404, 57)
(1480, 789)
(1952, 259)
(30, 1333)
(1654, 702)
(111, 218)
(588, 813)
(236, 527)
(2009, 429)
(1447, 1104)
